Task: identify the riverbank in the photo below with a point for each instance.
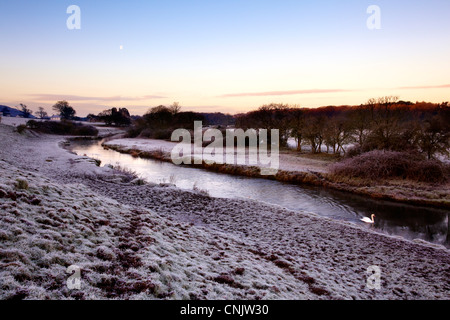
(153, 242)
(305, 170)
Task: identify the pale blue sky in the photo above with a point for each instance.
(225, 56)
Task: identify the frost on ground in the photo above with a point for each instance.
(14, 121)
(123, 252)
(152, 242)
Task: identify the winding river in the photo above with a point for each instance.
(408, 221)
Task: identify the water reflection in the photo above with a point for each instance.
(411, 222)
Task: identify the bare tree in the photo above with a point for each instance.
(64, 110)
(434, 138)
(41, 113)
(313, 131)
(361, 119)
(269, 116)
(337, 132)
(387, 122)
(175, 108)
(297, 123)
(25, 111)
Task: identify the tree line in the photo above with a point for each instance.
(61, 108)
(384, 123)
(113, 116)
(159, 122)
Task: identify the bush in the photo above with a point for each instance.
(62, 128)
(84, 131)
(21, 128)
(381, 164)
(353, 151)
(133, 132)
(163, 134)
(32, 124)
(427, 171)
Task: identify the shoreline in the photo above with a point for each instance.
(153, 242)
(397, 191)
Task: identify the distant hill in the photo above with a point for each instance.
(12, 112)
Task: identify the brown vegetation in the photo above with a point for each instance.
(381, 124)
(382, 164)
(161, 121)
(62, 128)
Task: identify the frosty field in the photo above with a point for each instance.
(154, 242)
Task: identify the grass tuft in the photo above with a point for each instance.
(21, 184)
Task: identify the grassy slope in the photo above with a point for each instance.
(123, 252)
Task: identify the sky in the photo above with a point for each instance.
(222, 56)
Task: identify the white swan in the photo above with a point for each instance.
(367, 220)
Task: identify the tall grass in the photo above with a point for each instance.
(128, 174)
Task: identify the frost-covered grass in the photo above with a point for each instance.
(330, 257)
(150, 242)
(14, 121)
(123, 252)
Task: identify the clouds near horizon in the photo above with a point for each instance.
(58, 97)
(443, 86)
(283, 93)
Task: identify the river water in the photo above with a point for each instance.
(408, 221)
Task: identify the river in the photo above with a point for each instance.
(408, 221)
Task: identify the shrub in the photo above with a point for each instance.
(163, 134)
(21, 128)
(84, 131)
(427, 171)
(62, 128)
(32, 124)
(381, 164)
(353, 151)
(133, 132)
(138, 182)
